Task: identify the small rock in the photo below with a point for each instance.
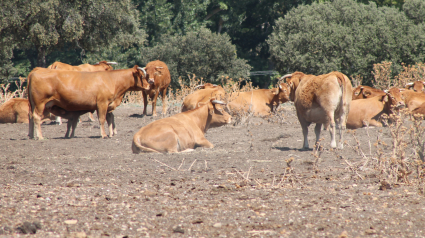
(77, 235)
(178, 229)
(344, 234)
(11, 167)
(197, 221)
(384, 185)
(27, 228)
(217, 225)
(71, 222)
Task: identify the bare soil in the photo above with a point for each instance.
(245, 186)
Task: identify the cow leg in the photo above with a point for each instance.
(155, 97)
(145, 102)
(203, 142)
(110, 121)
(164, 101)
(37, 123)
(304, 126)
(373, 122)
(68, 127)
(332, 129)
(31, 127)
(91, 117)
(58, 120)
(317, 130)
(75, 121)
(101, 114)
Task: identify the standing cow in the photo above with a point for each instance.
(81, 91)
(100, 66)
(323, 99)
(159, 78)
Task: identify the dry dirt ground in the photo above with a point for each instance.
(244, 187)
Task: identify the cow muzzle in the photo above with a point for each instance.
(151, 80)
(400, 105)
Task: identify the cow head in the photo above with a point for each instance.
(283, 92)
(417, 86)
(219, 116)
(293, 80)
(106, 65)
(361, 92)
(140, 78)
(153, 72)
(393, 99)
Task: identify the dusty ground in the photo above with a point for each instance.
(87, 186)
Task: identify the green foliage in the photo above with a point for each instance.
(46, 26)
(346, 36)
(415, 10)
(203, 53)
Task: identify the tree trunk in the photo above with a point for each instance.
(41, 56)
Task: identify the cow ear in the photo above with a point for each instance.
(385, 99)
(366, 93)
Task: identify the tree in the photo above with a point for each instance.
(50, 25)
(346, 36)
(415, 10)
(203, 53)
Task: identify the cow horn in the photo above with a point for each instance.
(218, 102)
(215, 85)
(280, 86)
(409, 84)
(142, 69)
(386, 91)
(112, 63)
(199, 86)
(159, 67)
(286, 76)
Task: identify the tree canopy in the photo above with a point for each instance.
(344, 35)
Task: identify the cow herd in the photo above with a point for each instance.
(65, 91)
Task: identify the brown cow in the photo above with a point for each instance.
(412, 99)
(72, 91)
(101, 66)
(367, 112)
(73, 118)
(323, 99)
(206, 92)
(362, 91)
(182, 132)
(16, 111)
(417, 86)
(260, 101)
(159, 78)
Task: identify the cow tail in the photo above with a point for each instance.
(29, 96)
(137, 147)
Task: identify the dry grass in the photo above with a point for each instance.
(6, 94)
(410, 73)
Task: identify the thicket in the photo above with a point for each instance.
(309, 35)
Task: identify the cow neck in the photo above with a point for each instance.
(201, 117)
(125, 82)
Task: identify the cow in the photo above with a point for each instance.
(100, 66)
(260, 101)
(182, 132)
(206, 92)
(81, 91)
(367, 111)
(323, 99)
(417, 86)
(361, 92)
(159, 78)
(73, 118)
(16, 110)
(412, 99)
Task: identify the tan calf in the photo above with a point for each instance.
(206, 92)
(181, 132)
(261, 101)
(159, 78)
(367, 111)
(361, 92)
(417, 86)
(16, 111)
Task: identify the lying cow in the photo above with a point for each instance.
(101, 66)
(16, 111)
(323, 99)
(412, 99)
(81, 91)
(159, 78)
(182, 132)
(260, 101)
(417, 86)
(362, 91)
(206, 92)
(367, 112)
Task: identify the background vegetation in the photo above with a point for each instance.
(212, 38)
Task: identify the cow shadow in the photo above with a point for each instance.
(288, 149)
(138, 115)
